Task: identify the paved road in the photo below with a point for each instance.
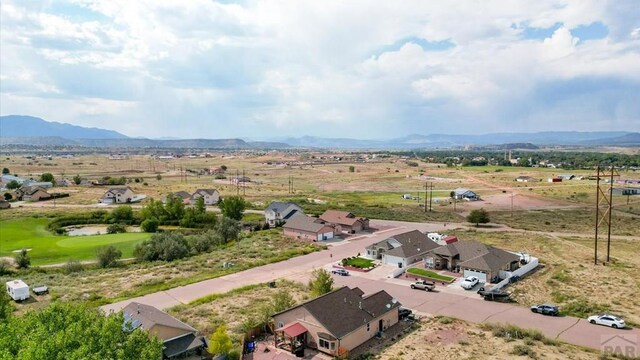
(444, 301)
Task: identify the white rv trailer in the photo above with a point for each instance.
(18, 290)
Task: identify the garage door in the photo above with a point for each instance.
(479, 274)
(325, 236)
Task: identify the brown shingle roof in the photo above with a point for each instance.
(411, 243)
(147, 316)
(339, 217)
(345, 310)
(205, 191)
(304, 223)
(476, 255)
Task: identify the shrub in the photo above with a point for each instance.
(108, 256)
(162, 246)
(5, 267)
(22, 259)
(524, 350)
(72, 266)
(116, 228)
(150, 225)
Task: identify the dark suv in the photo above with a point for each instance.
(546, 309)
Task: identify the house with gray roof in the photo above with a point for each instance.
(179, 339)
(301, 226)
(473, 258)
(183, 195)
(337, 322)
(465, 194)
(278, 212)
(402, 249)
(210, 196)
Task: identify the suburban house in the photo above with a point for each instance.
(345, 221)
(179, 339)
(118, 195)
(240, 180)
(215, 171)
(566, 176)
(555, 179)
(305, 227)
(281, 211)
(402, 249)
(32, 193)
(524, 178)
(210, 196)
(65, 182)
(185, 196)
(337, 322)
(473, 258)
(465, 194)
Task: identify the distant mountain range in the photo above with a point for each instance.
(28, 130)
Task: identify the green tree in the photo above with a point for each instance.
(321, 282)
(281, 300)
(220, 341)
(23, 261)
(452, 194)
(223, 167)
(13, 184)
(479, 216)
(108, 256)
(121, 214)
(47, 177)
(228, 229)
(5, 171)
(116, 228)
(8, 196)
(6, 309)
(174, 207)
(154, 209)
(233, 207)
(162, 246)
(158, 177)
(74, 331)
(77, 179)
(199, 206)
(150, 225)
(352, 169)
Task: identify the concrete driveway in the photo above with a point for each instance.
(450, 301)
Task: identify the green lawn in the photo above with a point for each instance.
(430, 274)
(359, 263)
(31, 233)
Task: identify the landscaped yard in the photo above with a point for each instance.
(358, 262)
(429, 274)
(47, 248)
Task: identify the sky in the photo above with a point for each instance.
(288, 68)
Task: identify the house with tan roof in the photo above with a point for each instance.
(118, 195)
(473, 258)
(344, 221)
(301, 226)
(402, 249)
(32, 193)
(179, 339)
(337, 322)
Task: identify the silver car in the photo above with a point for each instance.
(607, 320)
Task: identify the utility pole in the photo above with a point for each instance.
(431, 197)
(604, 207)
(244, 184)
(237, 183)
(425, 196)
(512, 204)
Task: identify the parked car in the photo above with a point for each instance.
(403, 313)
(607, 320)
(423, 285)
(545, 309)
(40, 289)
(341, 272)
(469, 282)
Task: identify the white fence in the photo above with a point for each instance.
(533, 263)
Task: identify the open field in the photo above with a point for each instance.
(47, 248)
(102, 286)
(445, 338)
(569, 277)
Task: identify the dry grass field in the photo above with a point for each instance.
(445, 338)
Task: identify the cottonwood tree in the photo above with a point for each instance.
(321, 282)
(108, 256)
(233, 207)
(479, 216)
(74, 331)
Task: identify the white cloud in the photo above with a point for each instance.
(260, 68)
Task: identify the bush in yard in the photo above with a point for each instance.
(150, 225)
(23, 261)
(116, 229)
(220, 341)
(5, 267)
(72, 266)
(108, 256)
(321, 282)
(162, 246)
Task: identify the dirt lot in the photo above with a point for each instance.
(445, 338)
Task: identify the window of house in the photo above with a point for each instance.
(280, 324)
(368, 326)
(327, 344)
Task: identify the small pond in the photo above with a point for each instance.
(94, 230)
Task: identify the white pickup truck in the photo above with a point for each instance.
(423, 285)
